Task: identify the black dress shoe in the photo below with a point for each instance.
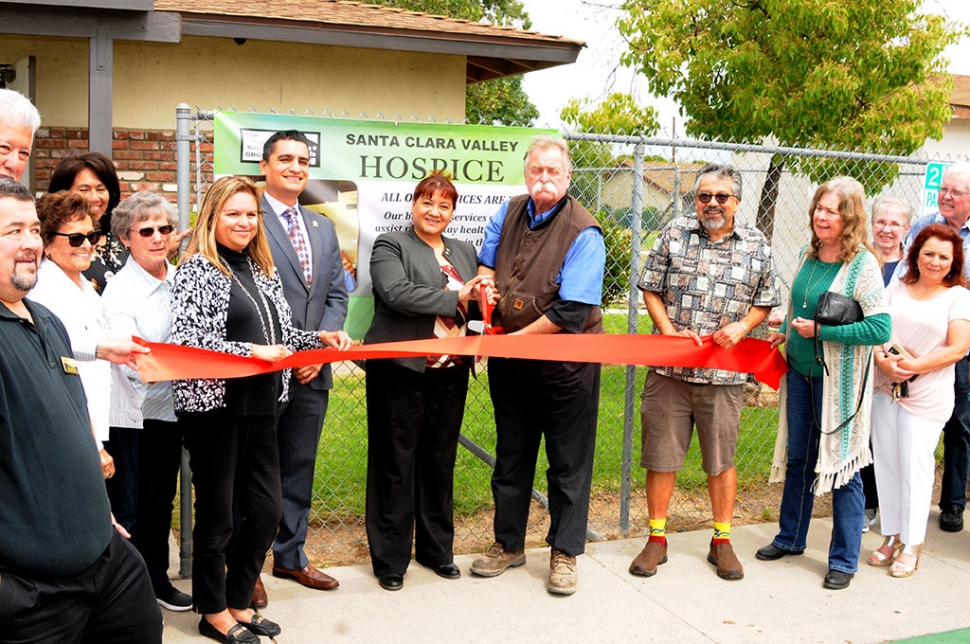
(837, 580)
(447, 570)
(951, 519)
(262, 626)
(772, 553)
(391, 581)
(238, 634)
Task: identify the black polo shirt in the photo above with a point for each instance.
(54, 513)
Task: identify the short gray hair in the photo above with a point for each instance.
(10, 189)
(722, 171)
(962, 168)
(15, 109)
(139, 207)
(544, 142)
(882, 204)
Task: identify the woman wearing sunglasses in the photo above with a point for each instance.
(146, 441)
(69, 240)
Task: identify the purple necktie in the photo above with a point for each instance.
(299, 244)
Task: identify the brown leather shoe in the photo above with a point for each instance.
(309, 577)
(652, 555)
(728, 565)
(260, 600)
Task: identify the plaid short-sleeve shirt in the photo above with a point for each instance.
(706, 284)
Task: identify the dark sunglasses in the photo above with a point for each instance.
(722, 197)
(149, 231)
(76, 239)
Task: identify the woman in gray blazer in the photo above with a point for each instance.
(425, 286)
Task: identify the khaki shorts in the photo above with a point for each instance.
(669, 409)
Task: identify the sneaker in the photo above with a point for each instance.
(494, 562)
(870, 519)
(562, 573)
(951, 519)
(173, 599)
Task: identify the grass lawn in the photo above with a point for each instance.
(342, 465)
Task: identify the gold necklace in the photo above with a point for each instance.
(811, 276)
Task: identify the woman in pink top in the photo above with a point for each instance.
(914, 397)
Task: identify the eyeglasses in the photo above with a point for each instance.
(76, 239)
(722, 197)
(956, 194)
(886, 224)
(149, 231)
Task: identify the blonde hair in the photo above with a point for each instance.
(852, 208)
(203, 241)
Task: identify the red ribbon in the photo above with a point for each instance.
(171, 362)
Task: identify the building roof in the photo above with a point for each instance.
(492, 51)
(960, 98)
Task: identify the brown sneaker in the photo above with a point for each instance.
(562, 573)
(728, 565)
(494, 562)
(652, 555)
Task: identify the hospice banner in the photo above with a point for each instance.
(363, 173)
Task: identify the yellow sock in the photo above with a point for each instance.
(658, 530)
(722, 532)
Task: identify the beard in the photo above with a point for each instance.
(24, 281)
(713, 223)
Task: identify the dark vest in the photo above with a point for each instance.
(528, 261)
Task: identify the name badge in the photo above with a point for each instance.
(69, 365)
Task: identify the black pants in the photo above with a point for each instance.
(122, 488)
(109, 603)
(413, 422)
(158, 457)
(232, 459)
(559, 400)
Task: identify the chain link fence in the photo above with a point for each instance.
(634, 186)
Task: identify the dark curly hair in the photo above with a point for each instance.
(56, 208)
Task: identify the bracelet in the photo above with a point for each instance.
(743, 326)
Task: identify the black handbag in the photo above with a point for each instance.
(837, 310)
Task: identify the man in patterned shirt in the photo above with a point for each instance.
(706, 275)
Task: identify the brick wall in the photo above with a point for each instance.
(145, 159)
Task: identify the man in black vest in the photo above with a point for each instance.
(547, 257)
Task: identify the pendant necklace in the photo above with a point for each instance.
(270, 337)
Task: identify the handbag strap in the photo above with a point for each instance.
(862, 393)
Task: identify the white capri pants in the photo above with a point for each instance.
(903, 447)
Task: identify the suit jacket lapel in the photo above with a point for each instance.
(277, 235)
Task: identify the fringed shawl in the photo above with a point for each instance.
(843, 453)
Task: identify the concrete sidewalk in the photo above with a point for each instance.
(780, 601)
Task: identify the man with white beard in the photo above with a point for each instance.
(706, 275)
(547, 257)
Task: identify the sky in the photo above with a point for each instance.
(597, 72)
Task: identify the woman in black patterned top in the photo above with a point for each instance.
(424, 286)
(227, 297)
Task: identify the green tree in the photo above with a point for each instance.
(500, 101)
(809, 73)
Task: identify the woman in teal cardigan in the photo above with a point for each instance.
(823, 437)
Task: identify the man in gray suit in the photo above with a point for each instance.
(307, 257)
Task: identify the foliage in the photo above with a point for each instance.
(618, 113)
(501, 101)
(618, 240)
(866, 76)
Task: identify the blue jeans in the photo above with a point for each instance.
(956, 443)
(848, 501)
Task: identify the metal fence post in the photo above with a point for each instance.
(629, 407)
(182, 146)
